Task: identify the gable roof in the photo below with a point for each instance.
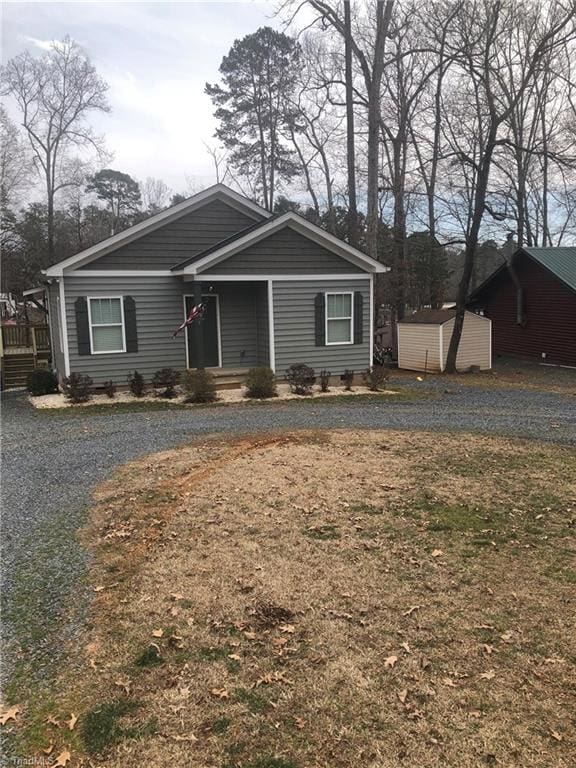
(560, 262)
(217, 191)
(430, 316)
(253, 234)
(434, 316)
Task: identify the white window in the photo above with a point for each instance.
(339, 323)
(106, 317)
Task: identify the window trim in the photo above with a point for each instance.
(326, 318)
(89, 299)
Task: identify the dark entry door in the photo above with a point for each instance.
(209, 326)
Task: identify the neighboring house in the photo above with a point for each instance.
(532, 305)
(424, 338)
(279, 290)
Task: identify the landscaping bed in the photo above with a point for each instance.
(324, 598)
(228, 396)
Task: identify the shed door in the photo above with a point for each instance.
(210, 331)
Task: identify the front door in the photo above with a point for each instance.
(210, 327)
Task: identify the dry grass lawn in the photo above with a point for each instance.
(374, 599)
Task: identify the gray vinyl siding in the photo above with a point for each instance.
(178, 240)
(159, 311)
(283, 253)
(294, 327)
(55, 337)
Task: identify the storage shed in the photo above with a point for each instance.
(424, 338)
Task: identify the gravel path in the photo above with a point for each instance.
(52, 460)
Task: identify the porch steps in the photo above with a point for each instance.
(229, 378)
(16, 369)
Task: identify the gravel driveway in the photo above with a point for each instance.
(52, 460)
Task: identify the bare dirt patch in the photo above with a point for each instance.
(329, 599)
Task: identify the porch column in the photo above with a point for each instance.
(197, 327)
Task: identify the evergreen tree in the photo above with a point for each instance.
(259, 75)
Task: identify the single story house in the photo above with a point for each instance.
(424, 338)
(279, 290)
(532, 305)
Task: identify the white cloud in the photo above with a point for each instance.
(156, 58)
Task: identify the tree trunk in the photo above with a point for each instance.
(470, 251)
(350, 148)
(383, 15)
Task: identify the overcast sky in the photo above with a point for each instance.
(156, 57)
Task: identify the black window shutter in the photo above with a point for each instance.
(320, 319)
(82, 326)
(358, 318)
(130, 324)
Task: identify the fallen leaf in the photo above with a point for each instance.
(287, 628)
(250, 635)
(93, 664)
(191, 737)
(222, 693)
(272, 677)
(72, 722)
(299, 723)
(487, 648)
(157, 632)
(47, 750)
(437, 553)
(489, 675)
(176, 596)
(556, 736)
(51, 720)
(507, 636)
(99, 589)
(62, 760)
(125, 684)
(406, 647)
(234, 656)
(447, 681)
(390, 661)
(402, 695)
(411, 610)
(279, 641)
(9, 714)
(476, 713)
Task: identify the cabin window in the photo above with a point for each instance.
(339, 322)
(106, 317)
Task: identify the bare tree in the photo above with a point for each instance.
(482, 30)
(15, 162)
(55, 93)
(155, 194)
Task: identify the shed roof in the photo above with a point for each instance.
(430, 316)
(560, 261)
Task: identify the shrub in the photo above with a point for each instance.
(260, 382)
(301, 378)
(136, 384)
(109, 388)
(41, 381)
(324, 380)
(165, 379)
(375, 378)
(77, 388)
(199, 386)
(348, 379)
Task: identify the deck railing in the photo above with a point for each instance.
(36, 338)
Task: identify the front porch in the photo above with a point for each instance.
(233, 336)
